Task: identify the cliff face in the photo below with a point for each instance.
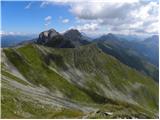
(52, 38)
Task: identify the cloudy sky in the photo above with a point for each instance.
(96, 17)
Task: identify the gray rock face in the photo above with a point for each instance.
(72, 38)
(76, 37)
(52, 38)
(45, 36)
(73, 34)
(52, 33)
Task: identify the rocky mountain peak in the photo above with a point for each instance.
(76, 37)
(47, 35)
(73, 33)
(52, 38)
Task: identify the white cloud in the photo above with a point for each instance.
(28, 6)
(65, 21)
(12, 33)
(123, 16)
(87, 27)
(47, 20)
(86, 1)
(2, 32)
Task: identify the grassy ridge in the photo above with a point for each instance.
(39, 74)
(130, 58)
(102, 74)
(106, 68)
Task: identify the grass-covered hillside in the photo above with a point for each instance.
(82, 82)
(125, 52)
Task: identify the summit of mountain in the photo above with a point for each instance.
(52, 38)
(76, 37)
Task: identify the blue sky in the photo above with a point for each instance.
(96, 17)
(17, 18)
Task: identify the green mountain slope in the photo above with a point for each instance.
(83, 82)
(129, 57)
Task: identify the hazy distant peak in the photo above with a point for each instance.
(155, 37)
(108, 36)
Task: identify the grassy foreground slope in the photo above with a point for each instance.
(83, 82)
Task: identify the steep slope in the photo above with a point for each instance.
(152, 41)
(126, 52)
(149, 48)
(129, 37)
(78, 82)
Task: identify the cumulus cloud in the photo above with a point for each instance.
(65, 21)
(87, 27)
(123, 16)
(47, 20)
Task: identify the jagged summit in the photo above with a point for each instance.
(73, 35)
(76, 37)
(47, 35)
(71, 38)
(52, 38)
(74, 32)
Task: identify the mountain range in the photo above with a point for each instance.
(13, 40)
(68, 76)
(143, 56)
